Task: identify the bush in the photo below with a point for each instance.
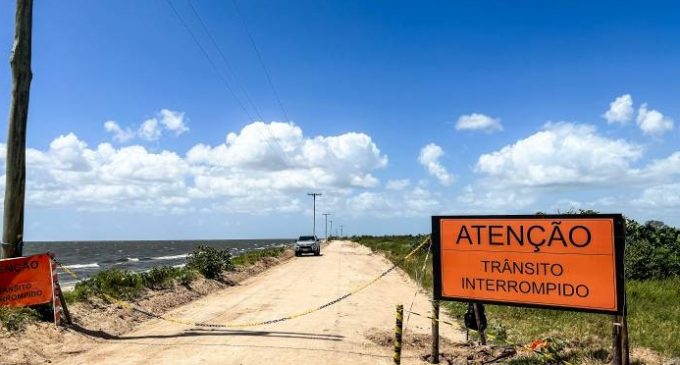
(252, 257)
(117, 283)
(14, 319)
(124, 284)
(652, 250)
(164, 277)
(210, 261)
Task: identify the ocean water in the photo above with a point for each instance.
(86, 258)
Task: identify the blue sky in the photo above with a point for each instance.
(396, 111)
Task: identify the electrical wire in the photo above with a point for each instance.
(223, 79)
(210, 60)
(260, 58)
(230, 70)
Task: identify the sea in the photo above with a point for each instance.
(85, 258)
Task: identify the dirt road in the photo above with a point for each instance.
(338, 334)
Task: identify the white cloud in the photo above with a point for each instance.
(149, 130)
(620, 110)
(485, 198)
(119, 135)
(415, 202)
(398, 184)
(479, 122)
(429, 157)
(289, 160)
(173, 121)
(652, 122)
(564, 154)
(262, 168)
(660, 196)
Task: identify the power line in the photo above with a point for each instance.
(207, 56)
(260, 58)
(224, 80)
(224, 59)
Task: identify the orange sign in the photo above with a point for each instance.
(26, 281)
(552, 261)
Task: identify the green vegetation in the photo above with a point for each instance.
(210, 261)
(124, 284)
(654, 308)
(14, 319)
(652, 250)
(253, 257)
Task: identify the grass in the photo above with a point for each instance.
(252, 257)
(14, 319)
(127, 285)
(653, 312)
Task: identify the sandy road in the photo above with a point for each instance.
(334, 335)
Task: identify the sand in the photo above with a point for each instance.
(339, 334)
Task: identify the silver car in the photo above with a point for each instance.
(307, 244)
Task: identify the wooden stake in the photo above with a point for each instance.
(15, 176)
(625, 355)
(435, 333)
(616, 340)
(64, 306)
(397, 335)
(478, 318)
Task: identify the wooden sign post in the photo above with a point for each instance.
(566, 262)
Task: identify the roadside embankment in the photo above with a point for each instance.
(101, 305)
(653, 310)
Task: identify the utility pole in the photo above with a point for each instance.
(15, 175)
(341, 227)
(326, 225)
(331, 227)
(314, 195)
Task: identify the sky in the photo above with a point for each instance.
(196, 119)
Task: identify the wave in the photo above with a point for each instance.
(175, 257)
(82, 266)
(132, 259)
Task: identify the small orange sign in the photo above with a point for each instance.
(552, 261)
(26, 281)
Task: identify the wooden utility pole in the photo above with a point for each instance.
(326, 226)
(15, 175)
(314, 195)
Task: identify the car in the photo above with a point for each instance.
(307, 244)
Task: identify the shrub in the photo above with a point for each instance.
(210, 261)
(14, 319)
(160, 277)
(117, 283)
(652, 250)
(252, 257)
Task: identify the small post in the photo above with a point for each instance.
(435, 332)
(478, 319)
(397, 335)
(616, 343)
(625, 348)
(64, 306)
